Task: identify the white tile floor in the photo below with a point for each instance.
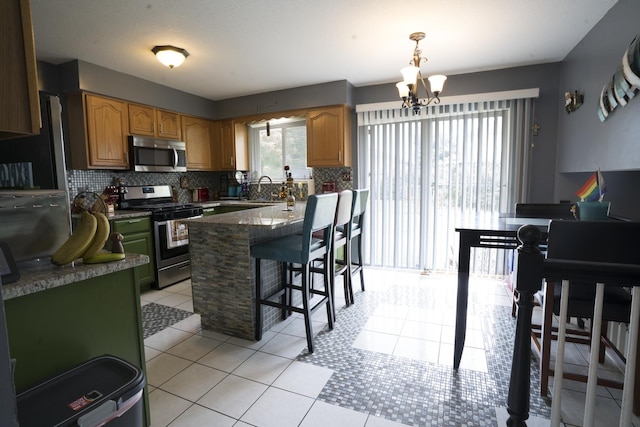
(203, 378)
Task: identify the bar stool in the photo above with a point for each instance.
(300, 249)
(360, 199)
(340, 266)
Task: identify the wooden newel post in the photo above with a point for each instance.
(528, 279)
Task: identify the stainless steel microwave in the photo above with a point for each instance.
(157, 155)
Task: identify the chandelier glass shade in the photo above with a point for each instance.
(170, 56)
(411, 77)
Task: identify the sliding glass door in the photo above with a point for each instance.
(429, 172)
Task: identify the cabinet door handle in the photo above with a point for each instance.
(133, 221)
(339, 155)
(231, 161)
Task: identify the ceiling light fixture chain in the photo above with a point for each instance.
(408, 88)
(417, 52)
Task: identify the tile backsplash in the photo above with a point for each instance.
(216, 182)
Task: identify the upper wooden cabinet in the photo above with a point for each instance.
(19, 103)
(169, 124)
(98, 130)
(329, 137)
(196, 133)
(149, 121)
(230, 151)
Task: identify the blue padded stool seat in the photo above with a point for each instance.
(285, 249)
(300, 249)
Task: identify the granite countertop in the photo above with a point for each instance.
(39, 275)
(266, 215)
(238, 202)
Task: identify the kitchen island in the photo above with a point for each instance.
(60, 316)
(223, 271)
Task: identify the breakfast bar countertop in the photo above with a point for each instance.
(263, 215)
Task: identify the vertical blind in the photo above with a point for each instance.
(429, 171)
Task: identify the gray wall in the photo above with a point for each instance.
(332, 93)
(80, 75)
(586, 144)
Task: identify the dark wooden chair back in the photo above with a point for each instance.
(545, 210)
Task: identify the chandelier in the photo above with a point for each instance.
(408, 88)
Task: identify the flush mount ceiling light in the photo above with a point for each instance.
(170, 56)
(408, 88)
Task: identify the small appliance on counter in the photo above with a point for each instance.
(329, 187)
(200, 195)
(35, 223)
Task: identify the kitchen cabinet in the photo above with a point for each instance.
(19, 103)
(230, 149)
(138, 239)
(149, 121)
(329, 136)
(196, 133)
(98, 131)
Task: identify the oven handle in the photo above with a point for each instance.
(178, 219)
(175, 158)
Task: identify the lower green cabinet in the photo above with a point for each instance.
(56, 329)
(138, 239)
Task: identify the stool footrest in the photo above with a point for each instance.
(293, 308)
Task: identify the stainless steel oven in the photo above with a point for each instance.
(170, 232)
(171, 242)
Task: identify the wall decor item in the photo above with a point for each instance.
(604, 108)
(624, 83)
(572, 101)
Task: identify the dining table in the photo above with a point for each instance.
(498, 231)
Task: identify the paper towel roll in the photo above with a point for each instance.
(312, 186)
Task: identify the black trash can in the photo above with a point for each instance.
(102, 391)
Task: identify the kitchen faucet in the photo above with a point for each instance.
(270, 185)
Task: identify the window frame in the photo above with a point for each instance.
(254, 144)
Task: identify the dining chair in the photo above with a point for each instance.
(545, 210)
(592, 241)
(541, 210)
(300, 249)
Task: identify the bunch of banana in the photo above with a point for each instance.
(78, 242)
(93, 255)
(87, 241)
(100, 238)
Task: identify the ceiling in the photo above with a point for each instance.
(242, 47)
